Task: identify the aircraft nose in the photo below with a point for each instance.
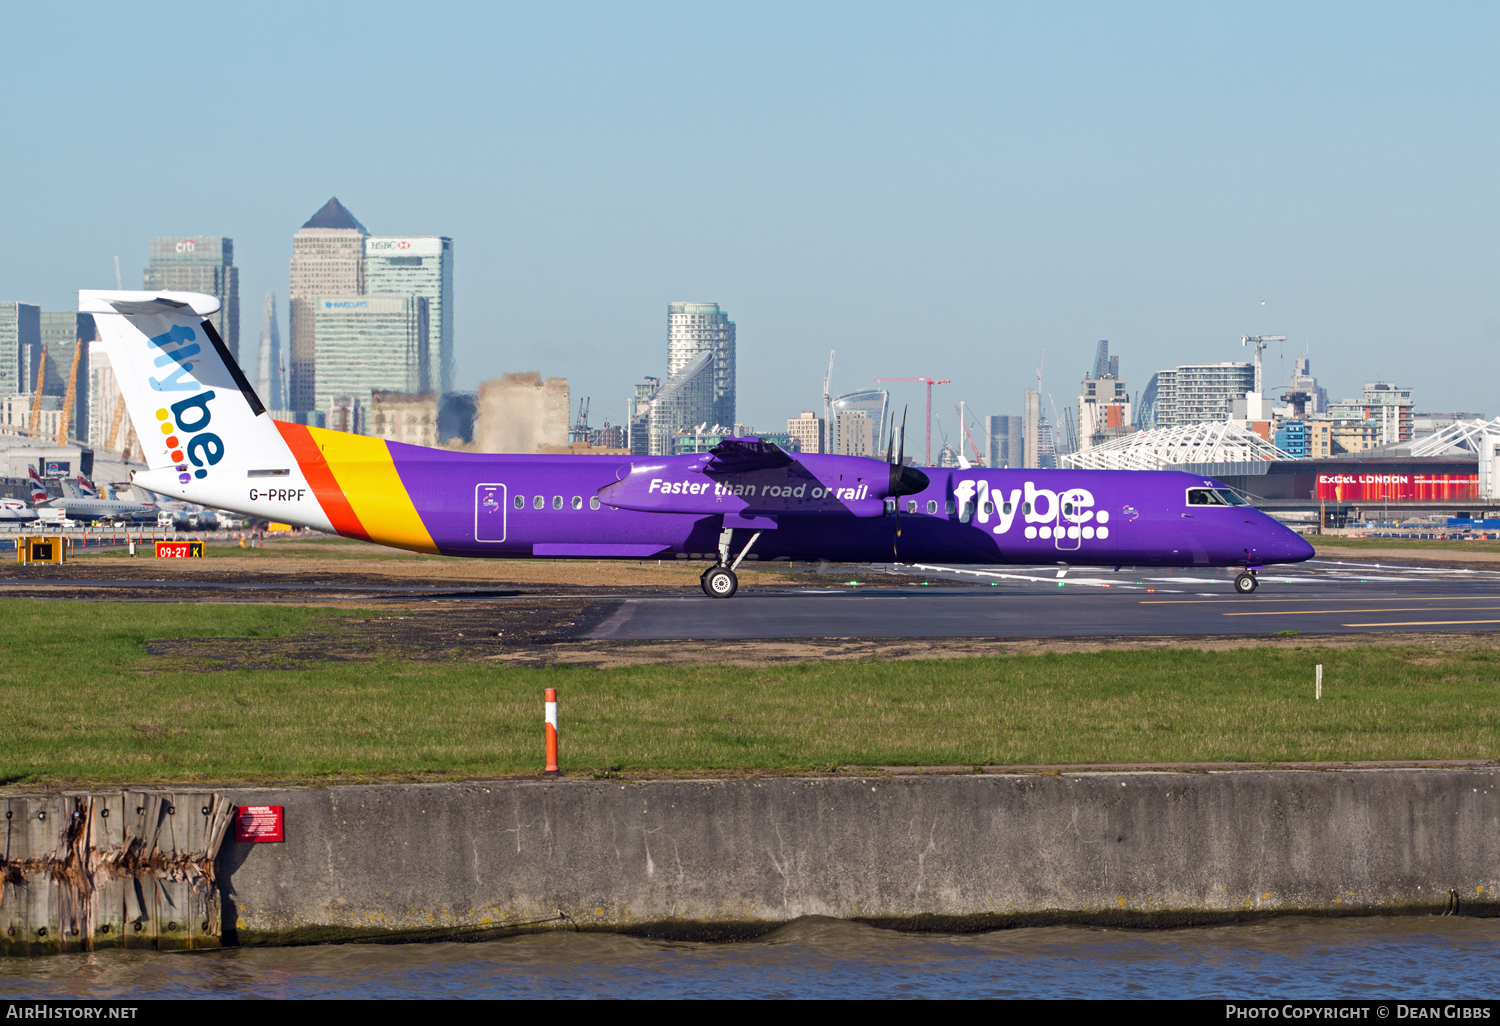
(1293, 548)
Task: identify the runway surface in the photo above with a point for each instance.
(1320, 597)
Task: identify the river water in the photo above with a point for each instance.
(1430, 958)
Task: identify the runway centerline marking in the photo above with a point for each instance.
(1394, 609)
(1417, 623)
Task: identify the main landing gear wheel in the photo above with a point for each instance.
(720, 582)
(1245, 583)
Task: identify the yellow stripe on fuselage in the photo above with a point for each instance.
(367, 476)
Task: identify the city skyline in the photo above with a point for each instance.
(1058, 196)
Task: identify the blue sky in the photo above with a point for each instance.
(937, 189)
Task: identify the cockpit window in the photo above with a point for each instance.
(1214, 497)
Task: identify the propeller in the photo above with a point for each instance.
(904, 480)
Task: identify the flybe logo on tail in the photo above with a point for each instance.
(176, 380)
(184, 422)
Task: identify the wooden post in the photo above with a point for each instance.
(87, 871)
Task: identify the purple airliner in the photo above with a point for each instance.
(207, 439)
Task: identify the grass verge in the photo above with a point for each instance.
(81, 700)
(1330, 541)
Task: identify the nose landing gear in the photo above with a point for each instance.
(720, 582)
(1245, 583)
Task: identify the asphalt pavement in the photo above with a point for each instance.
(1320, 597)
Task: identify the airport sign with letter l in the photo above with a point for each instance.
(259, 824)
(179, 550)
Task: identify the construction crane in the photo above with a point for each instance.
(67, 411)
(828, 406)
(579, 432)
(1260, 344)
(963, 425)
(35, 424)
(927, 438)
(114, 423)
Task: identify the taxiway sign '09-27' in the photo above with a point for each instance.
(208, 440)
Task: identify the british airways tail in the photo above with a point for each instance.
(38, 489)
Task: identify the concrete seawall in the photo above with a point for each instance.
(736, 857)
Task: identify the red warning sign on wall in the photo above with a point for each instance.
(255, 824)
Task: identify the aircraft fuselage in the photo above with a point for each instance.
(818, 507)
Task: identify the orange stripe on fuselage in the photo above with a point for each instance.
(320, 476)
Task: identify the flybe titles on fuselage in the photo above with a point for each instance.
(1044, 512)
(803, 490)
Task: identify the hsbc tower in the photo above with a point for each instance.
(420, 265)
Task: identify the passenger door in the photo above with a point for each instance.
(490, 512)
(1065, 534)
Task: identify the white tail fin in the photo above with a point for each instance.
(194, 412)
(85, 489)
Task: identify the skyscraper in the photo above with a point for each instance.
(61, 333)
(328, 259)
(1031, 430)
(20, 338)
(1199, 393)
(665, 411)
(270, 376)
(202, 264)
(369, 343)
(874, 403)
(694, 328)
(1005, 441)
(856, 433)
(807, 429)
(420, 266)
(1103, 402)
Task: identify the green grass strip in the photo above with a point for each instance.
(82, 702)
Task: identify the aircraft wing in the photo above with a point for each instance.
(733, 455)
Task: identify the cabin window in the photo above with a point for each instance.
(577, 502)
(1007, 509)
(1067, 509)
(557, 502)
(890, 505)
(988, 509)
(593, 502)
(540, 502)
(951, 508)
(911, 505)
(520, 502)
(1205, 497)
(1026, 508)
(932, 505)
